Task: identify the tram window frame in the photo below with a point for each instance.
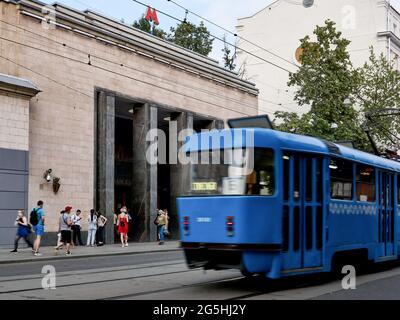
(359, 182)
(338, 165)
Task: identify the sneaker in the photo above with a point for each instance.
(14, 251)
(161, 243)
(37, 254)
(68, 254)
(126, 245)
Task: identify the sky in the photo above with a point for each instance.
(224, 12)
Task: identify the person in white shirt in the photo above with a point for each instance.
(76, 228)
(92, 229)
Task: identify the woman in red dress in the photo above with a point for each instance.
(123, 227)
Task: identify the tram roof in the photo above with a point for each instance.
(266, 138)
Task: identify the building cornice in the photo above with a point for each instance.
(112, 32)
(17, 86)
(390, 35)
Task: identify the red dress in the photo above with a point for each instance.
(123, 225)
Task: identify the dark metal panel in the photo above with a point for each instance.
(12, 200)
(7, 236)
(13, 182)
(14, 160)
(7, 218)
(14, 166)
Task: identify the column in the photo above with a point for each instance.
(144, 188)
(105, 160)
(180, 174)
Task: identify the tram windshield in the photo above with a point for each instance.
(233, 172)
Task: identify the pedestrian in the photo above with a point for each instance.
(76, 228)
(65, 229)
(92, 228)
(166, 230)
(115, 227)
(123, 227)
(162, 226)
(59, 243)
(37, 220)
(24, 229)
(101, 223)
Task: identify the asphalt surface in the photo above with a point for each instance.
(165, 276)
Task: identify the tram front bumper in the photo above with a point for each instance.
(254, 258)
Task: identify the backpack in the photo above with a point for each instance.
(34, 218)
(156, 221)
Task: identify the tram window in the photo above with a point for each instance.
(285, 229)
(297, 172)
(233, 172)
(309, 180)
(320, 220)
(262, 180)
(296, 229)
(286, 179)
(319, 180)
(309, 228)
(341, 179)
(366, 188)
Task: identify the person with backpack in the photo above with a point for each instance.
(65, 229)
(37, 220)
(24, 229)
(162, 226)
(92, 228)
(123, 227)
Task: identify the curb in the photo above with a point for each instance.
(58, 258)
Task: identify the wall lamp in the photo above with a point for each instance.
(48, 176)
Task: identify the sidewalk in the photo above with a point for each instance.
(25, 255)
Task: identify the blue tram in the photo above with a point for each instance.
(280, 204)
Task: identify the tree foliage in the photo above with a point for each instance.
(192, 37)
(326, 82)
(229, 57)
(378, 95)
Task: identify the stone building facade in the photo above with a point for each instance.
(102, 85)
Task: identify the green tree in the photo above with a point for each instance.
(144, 25)
(378, 95)
(326, 82)
(192, 37)
(229, 57)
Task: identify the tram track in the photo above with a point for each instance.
(99, 281)
(96, 272)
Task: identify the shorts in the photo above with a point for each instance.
(66, 236)
(39, 230)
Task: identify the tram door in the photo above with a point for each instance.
(303, 211)
(386, 224)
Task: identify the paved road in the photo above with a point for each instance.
(165, 276)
